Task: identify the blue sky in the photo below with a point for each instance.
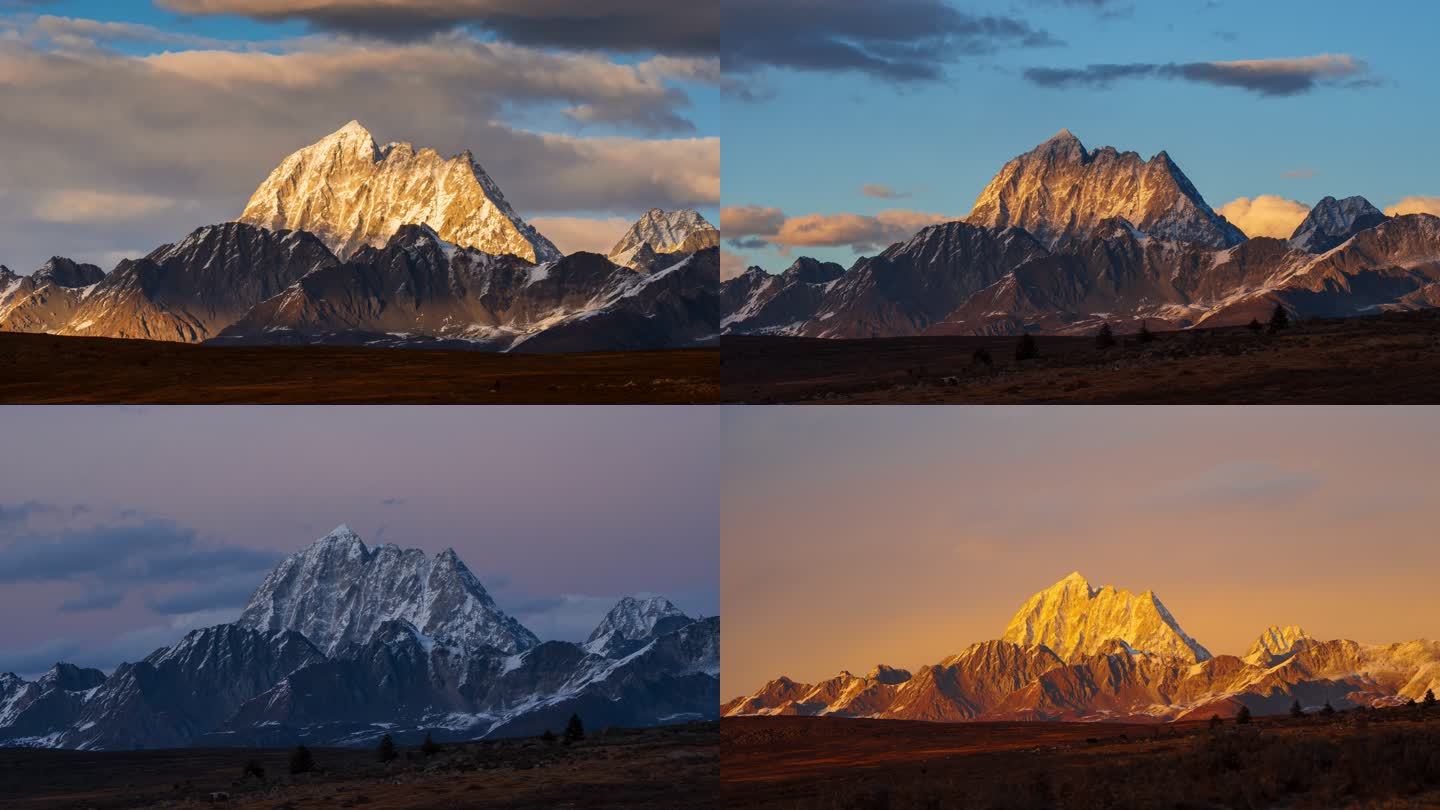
(815, 137)
(140, 123)
(152, 521)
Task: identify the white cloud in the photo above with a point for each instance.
(1415, 205)
(1265, 215)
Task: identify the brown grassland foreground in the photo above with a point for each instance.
(47, 369)
(650, 769)
(1387, 758)
(1392, 358)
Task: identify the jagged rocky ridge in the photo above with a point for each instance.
(238, 284)
(351, 244)
(1064, 240)
(343, 643)
(1074, 652)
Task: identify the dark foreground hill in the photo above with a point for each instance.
(48, 369)
(1386, 758)
(1387, 359)
(655, 768)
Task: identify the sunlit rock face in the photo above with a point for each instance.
(1060, 191)
(190, 290)
(351, 193)
(1076, 620)
(659, 232)
(46, 300)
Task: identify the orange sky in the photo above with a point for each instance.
(853, 536)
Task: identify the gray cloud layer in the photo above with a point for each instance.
(1267, 77)
(899, 40)
(618, 25)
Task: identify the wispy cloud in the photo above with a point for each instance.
(1266, 77)
(882, 192)
(1240, 483)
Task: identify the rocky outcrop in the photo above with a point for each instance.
(663, 232)
(191, 290)
(1331, 222)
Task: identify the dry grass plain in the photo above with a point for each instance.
(76, 370)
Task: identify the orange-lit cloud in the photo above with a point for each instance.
(858, 231)
(81, 206)
(755, 226)
(732, 264)
(574, 234)
(1265, 215)
(1415, 205)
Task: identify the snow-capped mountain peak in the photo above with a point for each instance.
(633, 618)
(351, 193)
(1333, 221)
(660, 231)
(336, 592)
(1276, 644)
(1074, 619)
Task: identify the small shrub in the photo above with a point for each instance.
(1328, 710)
(301, 761)
(1280, 319)
(386, 751)
(574, 730)
(1255, 325)
(429, 748)
(252, 768)
(1243, 716)
(982, 357)
(1145, 335)
(1027, 348)
(1429, 698)
(1296, 711)
(1105, 338)
(1215, 721)
(548, 736)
